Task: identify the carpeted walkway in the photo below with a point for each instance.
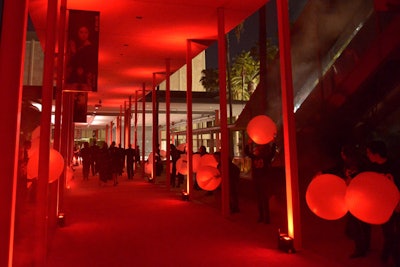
(138, 223)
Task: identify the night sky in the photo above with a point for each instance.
(249, 35)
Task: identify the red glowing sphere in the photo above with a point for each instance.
(196, 162)
(261, 129)
(208, 160)
(372, 197)
(181, 166)
(56, 165)
(325, 196)
(208, 178)
(148, 168)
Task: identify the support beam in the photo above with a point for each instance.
(42, 218)
(12, 51)
(289, 127)
(189, 125)
(168, 121)
(223, 112)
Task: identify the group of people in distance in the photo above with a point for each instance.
(108, 161)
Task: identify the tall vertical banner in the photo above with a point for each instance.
(82, 49)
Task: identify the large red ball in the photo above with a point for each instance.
(261, 129)
(372, 197)
(325, 196)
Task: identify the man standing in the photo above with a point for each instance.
(130, 159)
(261, 158)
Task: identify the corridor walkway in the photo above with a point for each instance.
(138, 223)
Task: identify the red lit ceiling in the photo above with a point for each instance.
(136, 38)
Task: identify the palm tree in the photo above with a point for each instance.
(245, 75)
(209, 80)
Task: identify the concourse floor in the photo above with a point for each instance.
(138, 223)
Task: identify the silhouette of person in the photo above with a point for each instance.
(137, 155)
(130, 159)
(94, 150)
(175, 155)
(86, 160)
(104, 163)
(261, 159)
(234, 177)
(349, 166)
(379, 161)
(115, 162)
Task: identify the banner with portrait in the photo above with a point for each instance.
(82, 51)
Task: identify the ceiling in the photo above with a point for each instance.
(137, 37)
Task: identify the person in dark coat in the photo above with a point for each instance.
(349, 165)
(115, 160)
(234, 177)
(94, 150)
(261, 159)
(104, 164)
(175, 155)
(380, 162)
(130, 159)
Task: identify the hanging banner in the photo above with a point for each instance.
(82, 51)
(80, 106)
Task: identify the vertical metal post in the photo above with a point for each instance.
(155, 126)
(189, 125)
(143, 127)
(289, 127)
(45, 129)
(167, 120)
(12, 51)
(223, 112)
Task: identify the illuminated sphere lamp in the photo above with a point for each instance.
(208, 160)
(56, 165)
(181, 147)
(325, 196)
(35, 134)
(372, 197)
(150, 157)
(163, 153)
(148, 168)
(181, 166)
(208, 178)
(196, 162)
(261, 129)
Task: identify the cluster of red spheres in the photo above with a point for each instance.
(371, 197)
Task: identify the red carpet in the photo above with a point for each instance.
(137, 223)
